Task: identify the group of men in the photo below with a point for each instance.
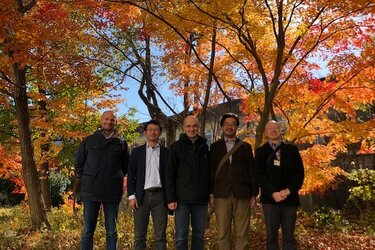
(184, 179)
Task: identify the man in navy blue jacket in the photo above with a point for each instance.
(280, 176)
(146, 187)
(101, 165)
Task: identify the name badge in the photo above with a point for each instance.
(276, 163)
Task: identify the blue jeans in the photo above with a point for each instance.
(90, 214)
(197, 214)
(276, 215)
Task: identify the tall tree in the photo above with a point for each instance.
(269, 46)
(42, 66)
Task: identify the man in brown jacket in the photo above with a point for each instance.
(233, 185)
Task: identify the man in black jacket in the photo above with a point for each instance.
(101, 165)
(280, 176)
(187, 185)
(146, 187)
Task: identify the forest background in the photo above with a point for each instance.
(63, 62)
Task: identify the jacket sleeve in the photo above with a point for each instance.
(125, 159)
(212, 167)
(253, 173)
(298, 176)
(80, 159)
(132, 173)
(170, 176)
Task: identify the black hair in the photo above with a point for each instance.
(155, 122)
(230, 115)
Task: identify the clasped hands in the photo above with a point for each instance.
(281, 195)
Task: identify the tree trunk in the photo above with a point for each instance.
(45, 182)
(209, 82)
(171, 127)
(44, 156)
(29, 170)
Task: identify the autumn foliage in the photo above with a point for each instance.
(308, 64)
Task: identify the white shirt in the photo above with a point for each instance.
(152, 178)
(229, 143)
(152, 175)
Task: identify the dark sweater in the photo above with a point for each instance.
(273, 178)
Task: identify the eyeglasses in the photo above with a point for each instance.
(229, 124)
(153, 130)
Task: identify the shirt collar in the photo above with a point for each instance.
(229, 140)
(274, 145)
(156, 146)
(110, 135)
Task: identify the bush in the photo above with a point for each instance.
(327, 218)
(59, 185)
(362, 194)
(8, 198)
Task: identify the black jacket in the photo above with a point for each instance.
(273, 178)
(102, 165)
(137, 168)
(187, 173)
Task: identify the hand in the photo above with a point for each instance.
(212, 199)
(285, 192)
(172, 206)
(133, 204)
(253, 201)
(278, 197)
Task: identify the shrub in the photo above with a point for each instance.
(362, 194)
(327, 218)
(59, 185)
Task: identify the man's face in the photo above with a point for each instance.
(230, 127)
(108, 121)
(152, 132)
(191, 127)
(272, 131)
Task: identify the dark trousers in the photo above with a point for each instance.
(276, 215)
(153, 203)
(197, 214)
(90, 213)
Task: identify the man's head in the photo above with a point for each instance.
(272, 131)
(108, 121)
(191, 126)
(152, 130)
(229, 123)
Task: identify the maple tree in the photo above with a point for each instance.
(268, 53)
(53, 89)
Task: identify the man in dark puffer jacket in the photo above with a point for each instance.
(187, 184)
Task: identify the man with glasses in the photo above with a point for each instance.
(233, 185)
(146, 187)
(281, 174)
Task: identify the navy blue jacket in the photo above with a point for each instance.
(102, 164)
(187, 174)
(273, 178)
(137, 168)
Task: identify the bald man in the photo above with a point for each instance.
(280, 177)
(101, 165)
(187, 185)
